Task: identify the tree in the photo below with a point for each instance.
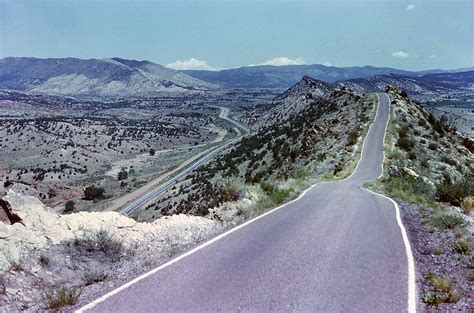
(93, 192)
(52, 193)
(152, 152)
(123, 174)
(69, 207)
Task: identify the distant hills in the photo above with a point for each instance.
(102, 78)
(285, 76)
(121, 78)
(441, 86)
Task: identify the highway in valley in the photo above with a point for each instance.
(212, 152)
(336, 248)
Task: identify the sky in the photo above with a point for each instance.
(411, 35)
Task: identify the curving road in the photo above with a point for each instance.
(153, 194)
(337, 248)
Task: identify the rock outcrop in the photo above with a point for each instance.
(39, 228)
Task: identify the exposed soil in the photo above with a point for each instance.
(433, 252)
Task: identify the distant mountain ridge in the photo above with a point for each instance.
(452, 85)
(113, 77)
(285, 76)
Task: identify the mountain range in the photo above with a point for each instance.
(285, 76)
(121, 78)
(113, 77)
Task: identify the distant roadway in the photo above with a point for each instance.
(337, 248)
(155, 192)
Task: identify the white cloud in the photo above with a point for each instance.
(191, 64)
(400, 54)
(280, 61)
(410, 7)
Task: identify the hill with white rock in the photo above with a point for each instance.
(113, 77)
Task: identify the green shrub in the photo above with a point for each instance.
(352, 137)
(444, 290)
(276, 195)
(407, 186)
(302, 173)
(280, 195)
(469, 144)
(433, 146)
(404, 131)
(438, 126)
(94, 277)
(467, 205)
(448, 160)
(455, 192)
(412, 155)
(462, 247)
(441, 283)
(405, 143)
(321, 157)
(267, 187)
(231, 188)
(424, 163)
(422, 122)
(100, 241)
(123, 174)
(452, 297)
(44, 260)
(448, 221)
(432, 298)
(60, 297)
(52, 193)
(93, 193)
(69, 206)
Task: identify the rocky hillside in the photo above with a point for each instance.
(100, 78)
(441, 86)
(427, 145)
(308, 131)
(289, 103)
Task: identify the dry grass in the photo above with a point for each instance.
(60, 297)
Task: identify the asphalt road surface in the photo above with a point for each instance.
(149, 196)
(337, 248)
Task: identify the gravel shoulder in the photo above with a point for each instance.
(435, 256)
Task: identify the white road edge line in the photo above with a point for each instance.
(207, 243)
(409, 254)
(192, 251)
(410, 261)
(363, 143)
(411, 267)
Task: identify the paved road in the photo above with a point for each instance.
(149, 196)
(338, 248)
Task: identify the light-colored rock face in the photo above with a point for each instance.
(99, 78)
(43, 228)
(47, 250)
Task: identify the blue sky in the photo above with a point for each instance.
(223, 34)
